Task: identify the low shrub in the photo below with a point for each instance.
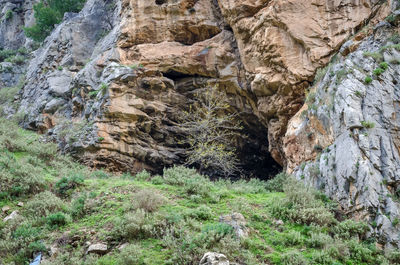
(56, 220)
(349, 229)
(368, 80)
(44, 204)
(319, 240)
(276, 184)
(301, 206)
(293, 258)
(202, 212)
(148, 200)
(137, 225)
(67, 184)
(131, 254)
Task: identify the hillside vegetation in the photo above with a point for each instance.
(168, 219)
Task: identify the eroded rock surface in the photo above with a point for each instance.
(125, 70)
(349, 133)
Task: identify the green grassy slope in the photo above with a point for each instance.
(169, 219)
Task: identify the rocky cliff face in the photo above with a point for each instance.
(111, 82)
(349, 130)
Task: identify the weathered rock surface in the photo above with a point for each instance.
(124, 70)
(14, 15)
(212, 258)
(282, 43)
(12, 216)
(349, 133)
(98, 248)
(238, 223)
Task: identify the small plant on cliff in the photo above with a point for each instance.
(210, 129)
(49, 13)
(368, 124)
(368, 80)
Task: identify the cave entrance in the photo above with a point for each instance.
(256, 160)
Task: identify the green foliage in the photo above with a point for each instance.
(56, 220)
(375, 55)
(368, 124)
(349, 229)
(301, 206)
(44, 204)
(9, 15)
(148, 200)
(384, 65)
(276, 184)
(378, 71)
(48, 13)
(67, 184)
(294, 258)
(368, 79)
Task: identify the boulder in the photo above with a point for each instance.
(212, 258)
(98, 248)
(238, 222)
(12, 216)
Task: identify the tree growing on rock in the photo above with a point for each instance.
(211, 127)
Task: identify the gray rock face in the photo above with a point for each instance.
(66, 64)
(358, 134)
(14, 15)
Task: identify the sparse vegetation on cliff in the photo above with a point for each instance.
(168, 219)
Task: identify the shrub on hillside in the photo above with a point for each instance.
(277, 183)
(131, 255)
(18, 177)
(137, 225)
(44, 204)
(301, 206)
(67, 184)
(148, 200)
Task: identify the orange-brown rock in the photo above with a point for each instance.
(283, 42)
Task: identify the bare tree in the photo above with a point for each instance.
(211, 129)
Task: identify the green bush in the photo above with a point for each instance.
(56, 220)
(66, 185)
(143, 175)
(137, 225)
(148, 200)
(319, 240)
(378, 71)
(301, 206)
(368, 80)
(384, 65)
(276, 184)
(293, 258)
(131, 255)
(349, 228)
(202, 212)
(48, 13)
(44, 204)
(368, 124)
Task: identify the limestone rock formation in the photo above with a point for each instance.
(125, 70)
(110, 84)
(349, 133)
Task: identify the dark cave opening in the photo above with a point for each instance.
(160, 2)
(256, 161)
